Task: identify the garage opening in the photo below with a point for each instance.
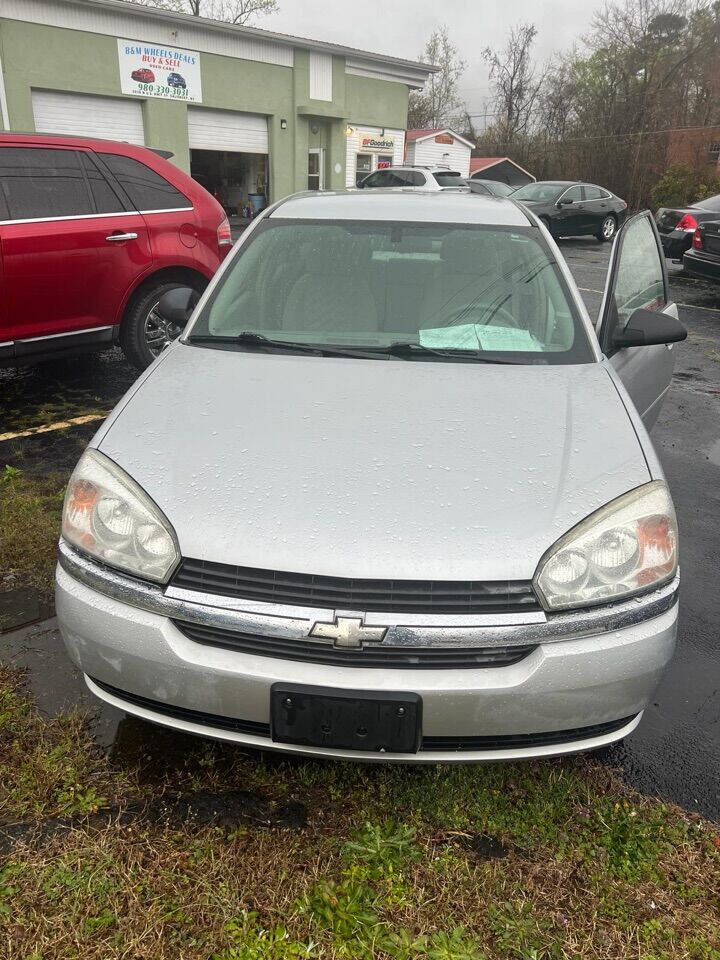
(229, 157)
(237, 180)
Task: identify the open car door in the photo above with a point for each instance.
(637, 278)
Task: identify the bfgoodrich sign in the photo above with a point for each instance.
(147, 70)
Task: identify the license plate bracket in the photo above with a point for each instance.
(370, 722)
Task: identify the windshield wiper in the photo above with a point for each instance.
(247, 338)
(409, 349)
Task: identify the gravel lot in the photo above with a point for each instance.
(676, 751)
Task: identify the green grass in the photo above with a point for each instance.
(539, 861)
(30, 512)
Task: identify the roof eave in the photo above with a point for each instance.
(256, 33)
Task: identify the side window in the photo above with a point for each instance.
(411, 178)
(147, 189)
(573, 194)
(639, 279)
(40, 183)
(593, 193)
(103, 195)
(379, 179)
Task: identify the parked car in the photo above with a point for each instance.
(176, 80)
(144, 75)
(92, 233)
(702, 260)
(398, 500)
(677, 225)
(419, 178)
(570, 209)
(493, 188)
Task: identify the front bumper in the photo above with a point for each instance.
(585, 684)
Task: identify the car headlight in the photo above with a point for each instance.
(627, 547)
(107, 515)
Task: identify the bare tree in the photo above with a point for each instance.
(516, 86)
(231, 11)
(438, 103)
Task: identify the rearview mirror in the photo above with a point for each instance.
(176, 305)
(648, 327)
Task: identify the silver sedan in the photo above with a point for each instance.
(390, 495)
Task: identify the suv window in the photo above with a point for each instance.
(146, 188)
(103, 195)
(449, 179)
(40, 183)
(395, 178)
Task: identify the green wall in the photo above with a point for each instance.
(52, 58)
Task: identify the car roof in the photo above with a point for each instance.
(404, 205)
(74, 140)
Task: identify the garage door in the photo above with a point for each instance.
(88, 116)
(226, 130)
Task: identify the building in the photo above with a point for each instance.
(430, 147)
(246, 111)
(500, 168)
(697, 148)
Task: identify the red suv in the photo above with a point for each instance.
(92, 234)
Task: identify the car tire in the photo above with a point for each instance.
(608, 229)
(143, 333)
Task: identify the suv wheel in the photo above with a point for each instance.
(144, 333)
(607, 229)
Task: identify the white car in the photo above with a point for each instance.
(390, 494)
(419, 178)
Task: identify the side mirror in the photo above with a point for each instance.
(564, 203)
(176, 305)
(648, 327)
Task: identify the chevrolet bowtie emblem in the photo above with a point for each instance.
(348, 632)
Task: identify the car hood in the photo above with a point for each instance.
(374, 468)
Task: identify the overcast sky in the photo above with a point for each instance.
(401, 27)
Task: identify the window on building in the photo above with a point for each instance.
(104, 197)
(363, 167)
(714, 151)
(146, 188)
(39, 183)
(383, 162)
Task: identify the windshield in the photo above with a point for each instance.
(712, 203)
(541, 192)
(488, 290)
(498, 188)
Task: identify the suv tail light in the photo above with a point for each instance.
(223, 233)
(688, 222)
(698, 242)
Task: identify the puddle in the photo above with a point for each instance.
(713, 452)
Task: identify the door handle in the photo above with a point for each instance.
(116, 237)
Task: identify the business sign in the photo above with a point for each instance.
(377, 144)
(444, 138)
(147, 70)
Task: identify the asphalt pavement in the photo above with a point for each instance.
(675, 753)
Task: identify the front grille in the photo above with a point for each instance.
(310, 590)
(429, 744)
(410, 658)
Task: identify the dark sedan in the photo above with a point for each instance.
(677, 225)
(703, 258)
(492, 188)
(571, 209)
